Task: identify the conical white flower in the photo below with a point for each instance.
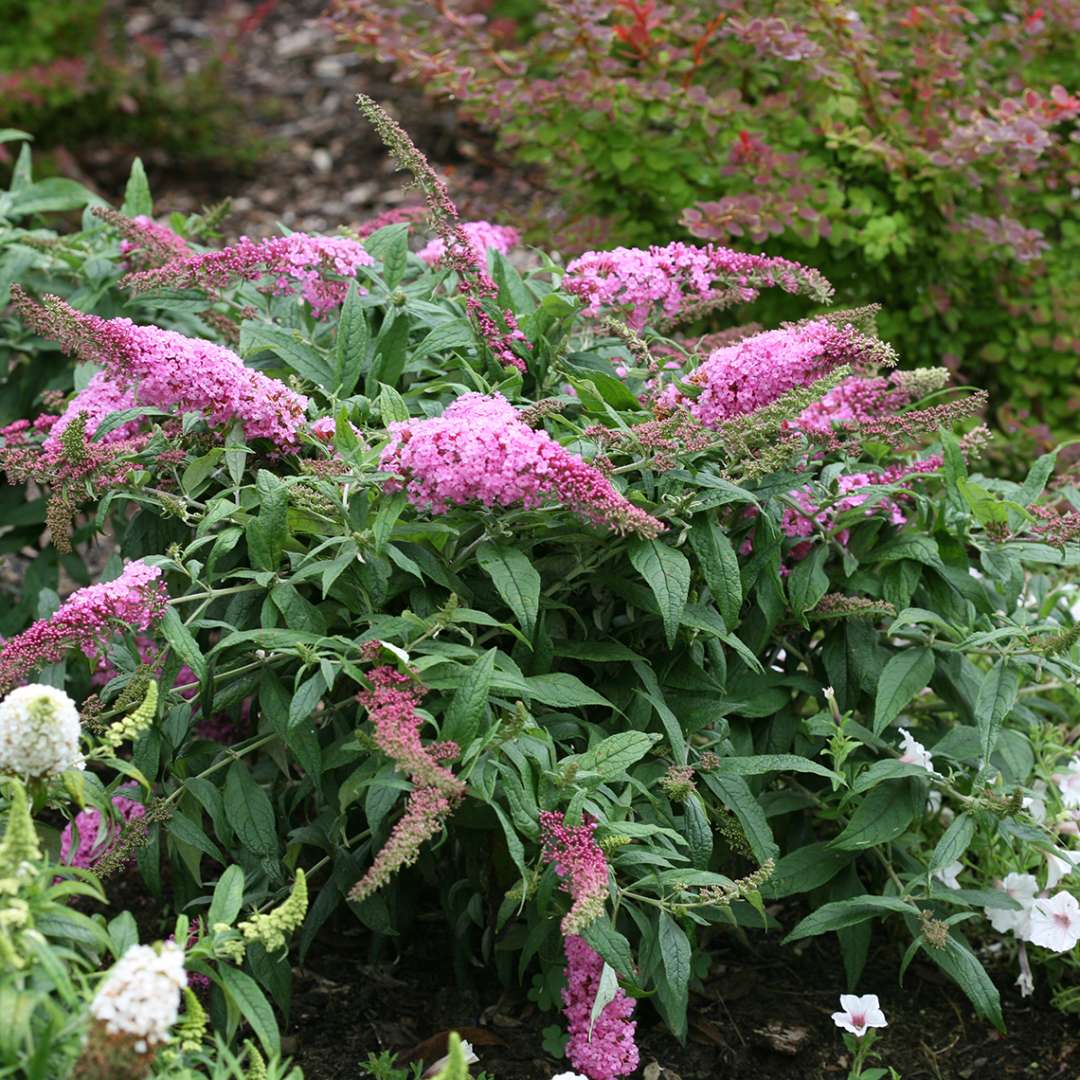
(140, 996)
(39, 732)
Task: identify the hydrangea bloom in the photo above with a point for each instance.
(480, 450)
(136, 598)
(1055, 922)
(391, 704)
(580, 862)
(859, 1014)
(483, 236)
(293, 261)
(1021, 888)
(140, 997)
(605, 1049)
(39, 732)
(738, 379)
(681, 278)
(169, 371)
(96, 836)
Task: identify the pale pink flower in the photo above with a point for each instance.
(1060, 863)
(914, 753)
(482, 236)
(1035, 803)
(948, 875)
(1025, 981)
(860, 1013)
(1068, 784)
(1055, 922)
(1021, 888)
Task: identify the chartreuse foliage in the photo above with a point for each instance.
(723, 699)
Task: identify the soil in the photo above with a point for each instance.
(759, 1016)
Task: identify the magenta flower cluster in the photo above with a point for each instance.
(853, 402)
(738, 379)
(483, 236)
(605, 1049)
(294, 261)
(667, 280)
(480, 450)
(149, 233)
(136, 599)
(392, 703)
(164, 369)
(580, 862)
(96, 837)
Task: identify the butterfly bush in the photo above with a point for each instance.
(680, 278)
(136, 599)
(96, 836)
(483, 236)
(294, 262)
(481, 451)
(167, 370)
(580, 863)
(39, 732)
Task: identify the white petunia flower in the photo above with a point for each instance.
(1060, 863)
(140, 996)
(859, 1014)
(1021, 888)
(947, 875)
(1035, 803)
(1055, 923)
(914, 752)
(1068, 783)
(569, 1076)
(39, 732)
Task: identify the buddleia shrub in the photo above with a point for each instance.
(924, 156)
(469, 585)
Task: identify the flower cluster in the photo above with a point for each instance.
(294, 261)
(96, 835)
(39, 732)
(480, 450)
(681, 280)
(392, 705)
(270, 927)
(139, 999)
(483, 236)
(738, 379)
(136, 598)
(579, 861)
(605, 1049)
(166, 370)
(1052, 922)
(145, 242)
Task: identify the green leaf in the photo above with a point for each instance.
(563, 691)
(1038, 475)
(515, 579)
(720, 568)
(667, 572)
(805, 868)
(902, 678)
(457, 334)
(954, 842)
(391, 351)
(137, 198)
(467, 707)
(183, 644)
(882, 816)
(611, 945)
(959, 963)
(675, 956)
(186, 831)
(228, 897)
(736, 795)
(352, 342)
(53, 194)
(841, 913)
(615, 754)
(997, 695)
(250, 811)
(269, 530)
(244, 992)
(808, 582)
(698, 832)
(766, 763)
(392, 405)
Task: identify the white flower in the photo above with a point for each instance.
(1055, 923)
(914, 752)
(39, 732)
(1068, 784)
(947, 875)
(140, 996)
(1060, 863)
(859, 1014)
(466, 1049)
(569, 1076)
(1035, 804)
(1025, 981)
(1021, 888)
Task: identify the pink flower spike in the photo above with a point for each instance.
(482, 236)
(580, 862)
(1055, 923)
(860, 1014)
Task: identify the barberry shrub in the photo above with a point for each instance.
(464, 587)
(925, 155)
